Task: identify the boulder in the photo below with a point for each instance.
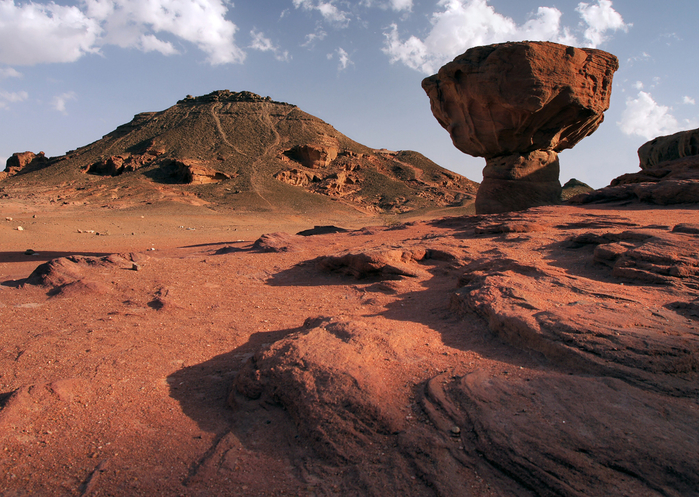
(518, 105)
(669, 148)
(25, 161)
(669, 174)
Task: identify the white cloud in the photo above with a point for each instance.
(59, 101)
(600, 18)
(688, 100)
(638, 85)
(462, 24)
(343, 58)
(150, 43)
(327, 9)
(34, 33)
(401, 4)
(263, 44)
(8, 72)
(12, 97)
(397, 5)
(644, 117)
(311, 38)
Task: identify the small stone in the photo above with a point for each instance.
(29, 252)
(455, 431)
(136, 267)
(8, 219)
(19, 228)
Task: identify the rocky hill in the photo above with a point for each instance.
(247, 152)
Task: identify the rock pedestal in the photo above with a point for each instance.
(518, 105)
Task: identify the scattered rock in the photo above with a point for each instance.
(381, 264)
(518, 105)
(278, 242)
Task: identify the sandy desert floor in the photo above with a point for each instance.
(444, 359)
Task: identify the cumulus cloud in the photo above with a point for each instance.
(644, 117)
(328, 10)
(600, 19)
(34, 33)
(263, 44)
(462, 24)
(59, 101)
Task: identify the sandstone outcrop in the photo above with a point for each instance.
(24, 162)
(669, 174)
(314, 155)
(197, 173)
(518, 105)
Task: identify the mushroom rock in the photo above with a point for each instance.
(518, 105)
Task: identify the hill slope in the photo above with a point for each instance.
(249, 153)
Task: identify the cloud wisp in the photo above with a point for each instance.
(343, 58)
(462, 24)
(59, 101)
(35, 33)
(263, 44)
(12, 97)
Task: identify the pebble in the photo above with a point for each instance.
(19, 228)
(455, 431)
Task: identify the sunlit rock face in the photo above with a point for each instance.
(518, 105)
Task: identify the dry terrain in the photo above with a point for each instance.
(171, 349)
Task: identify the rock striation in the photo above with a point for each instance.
(518, 105)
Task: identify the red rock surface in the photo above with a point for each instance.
(548, 352)
(24, 162)
(669, 174)
(518, 105)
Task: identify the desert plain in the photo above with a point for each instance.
(229, 297)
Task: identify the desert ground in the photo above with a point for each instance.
(172, 349)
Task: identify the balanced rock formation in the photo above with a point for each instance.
(518, 105)
(669, 174)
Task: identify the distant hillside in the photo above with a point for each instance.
(246, 152)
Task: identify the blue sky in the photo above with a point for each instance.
(71, 72)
